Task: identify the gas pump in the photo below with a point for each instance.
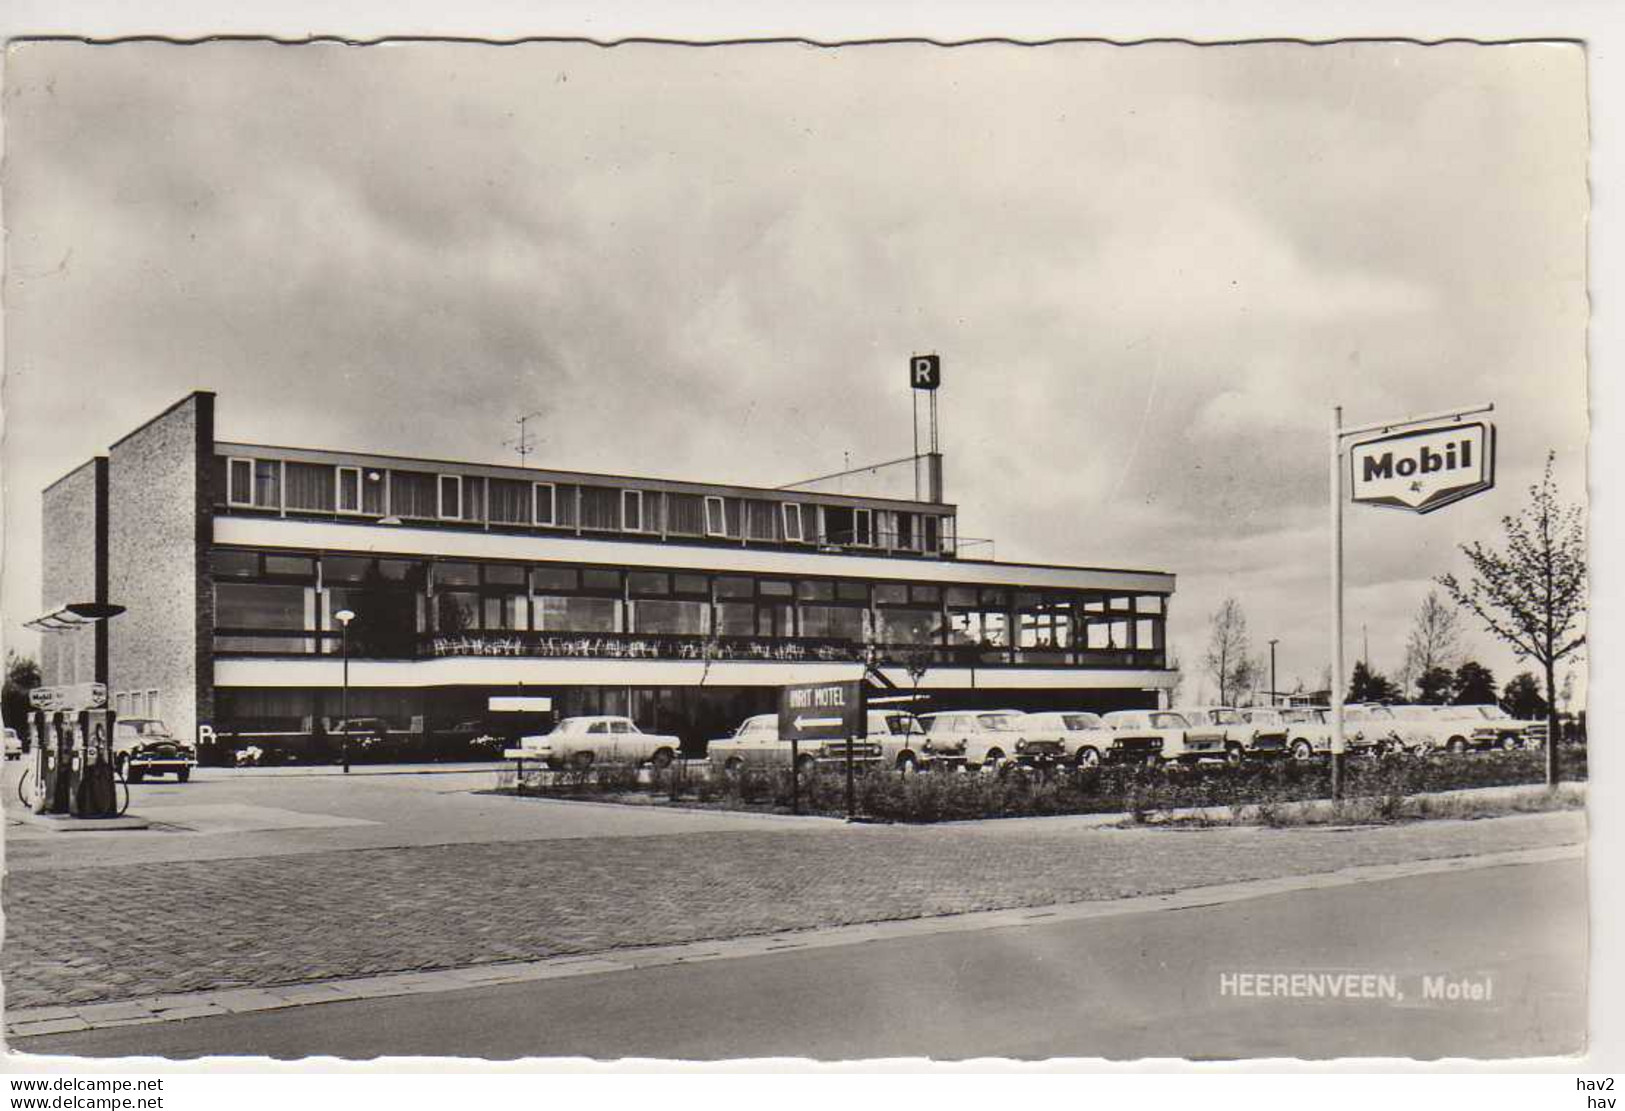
(72, 730)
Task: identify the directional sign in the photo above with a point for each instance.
(1423, 469)
(821, 711)
(925, 372)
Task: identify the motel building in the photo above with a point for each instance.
(683, 605)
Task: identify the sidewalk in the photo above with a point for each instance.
(118, 933)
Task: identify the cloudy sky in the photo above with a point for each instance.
(1150, 272)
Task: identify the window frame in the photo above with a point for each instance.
(440, 497)
(791, 510)
(338, 491)
(863, 537)
(722, 516)
(536, 489)
(231, 492)
(627, 497)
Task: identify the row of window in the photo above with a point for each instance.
(137, 704)
(277, 484)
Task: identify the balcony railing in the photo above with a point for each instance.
(642, 646)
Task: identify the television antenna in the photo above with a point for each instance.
(525, 442)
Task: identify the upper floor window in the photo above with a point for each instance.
(240, 482)
(544, 498)
(792, 521)
(716, 517)
(347, 489)
(863, 531)
(451, 497)
(632, 510)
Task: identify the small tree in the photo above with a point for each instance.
(1178, 670)
(1434, 685)
(1366, 685)
(1474, 685)
(1532, 594)
(22, 676)
(1522, 699)
(1229, 655)
(1434, 641)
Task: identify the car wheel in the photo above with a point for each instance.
(732, 767)
(993, 762)
(1303, 751)
(805, 765)
(1456, 747)
(1509, 744)
(1088, 757)
(1233, 755)
(183, 775)
(907, 764)
(661, 760)
(581, 761)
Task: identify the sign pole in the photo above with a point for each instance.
(795, 776)
(1336, 487)
(851, 744)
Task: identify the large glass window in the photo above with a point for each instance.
(456, 611)
(577, 614)
(310, 487)
(838, 622)
(412, 494)
(736, 619)
(653, 615)
(508, 612)
(908, 626)
(685, 514)
(234, 565)
(268, 483)
(256, 607)
(511, 502)
(456, 574)
(600, 508)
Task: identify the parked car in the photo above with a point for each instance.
(1182, 741)
(1459, 729)
(144, 746)
(991, 740)
(1309, 731)
(1242, 736)
(1269, 731)
(581, 742)
(14, 744)
(1510, 732)
(895, 739)
(1087, 741)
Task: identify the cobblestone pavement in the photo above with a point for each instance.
(103, 933)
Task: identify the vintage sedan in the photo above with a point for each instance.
(14, 744)
(894, 739)
(144, 746)
(1182, 741)
(1269, 731)
(581, 742)
(1089, 743)
(1309, 730)
(991, 740)
(1459, 729)
(1243, 736)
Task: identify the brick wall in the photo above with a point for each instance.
(73, 569)
(159, 525)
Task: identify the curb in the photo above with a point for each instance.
(38, 1021)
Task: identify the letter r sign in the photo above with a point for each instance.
(925, 372)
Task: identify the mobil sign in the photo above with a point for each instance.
(1423, 469)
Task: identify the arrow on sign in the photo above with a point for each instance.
(805, 723)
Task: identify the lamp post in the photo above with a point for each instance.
(344, 617)
(1273, 643)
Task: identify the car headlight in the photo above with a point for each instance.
(1021, 745)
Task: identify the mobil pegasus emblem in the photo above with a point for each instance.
(1423, 469)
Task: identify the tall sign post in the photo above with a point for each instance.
(925, 375)
(823, 712)
(1418, 464)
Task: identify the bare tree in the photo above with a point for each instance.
(1178, 669)
(1434, 642)
(1532, 594)
(1229, 654)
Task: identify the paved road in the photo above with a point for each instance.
(1140, 985)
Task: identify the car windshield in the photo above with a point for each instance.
(903, 724)
(570, 726)
(1297, 717)
(767, 723)
(1082, 721)
(1001, 723)
(1494, 713)
(1168, 721)
(144, 727)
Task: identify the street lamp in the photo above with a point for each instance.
(344, 617)
(1273, 643)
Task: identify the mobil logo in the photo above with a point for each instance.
(1423, 469)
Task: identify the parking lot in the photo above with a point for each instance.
(248, 878)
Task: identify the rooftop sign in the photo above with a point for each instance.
(925, 372)
(1423, 469)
